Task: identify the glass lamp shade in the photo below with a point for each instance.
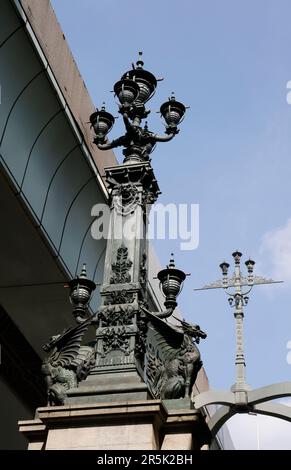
(224, 267)
(126, 90)
(146, 82)
(237, 256)
(81, 290)
(250, 265)
(171, 280)
(80, 294)
(102, 122)
(172, 111)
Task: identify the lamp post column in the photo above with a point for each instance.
(239, 315)
(133, 186)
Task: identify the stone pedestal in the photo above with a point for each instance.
(113, 386)
(132, 425)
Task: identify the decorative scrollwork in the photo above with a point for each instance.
(128, 198)
(143, 271)
(116, 315)
(116, 339)
(141, 337)
(121, 267)
(149, 197)
(119, 297)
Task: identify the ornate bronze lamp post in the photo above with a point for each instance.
(136, 348)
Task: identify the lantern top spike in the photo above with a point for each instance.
(172, 261)
(140, 62)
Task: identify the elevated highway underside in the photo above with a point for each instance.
(50, 178)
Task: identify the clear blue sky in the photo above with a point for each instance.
(230, 62)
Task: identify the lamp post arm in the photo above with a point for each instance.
(165, 314)
(232, 294)
(163, 138)
(128, 125)
(110, 145)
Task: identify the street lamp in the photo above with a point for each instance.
(133, 90)
(171, 283)
(102, 122)
(242, 398)
(237, 288)
(237, 299)
(130, 336)
(81, 289)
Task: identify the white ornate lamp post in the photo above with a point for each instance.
(241, 398)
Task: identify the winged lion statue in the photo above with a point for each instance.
(172, 358)
(67, 363)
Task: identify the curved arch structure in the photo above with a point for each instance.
(245, 401)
